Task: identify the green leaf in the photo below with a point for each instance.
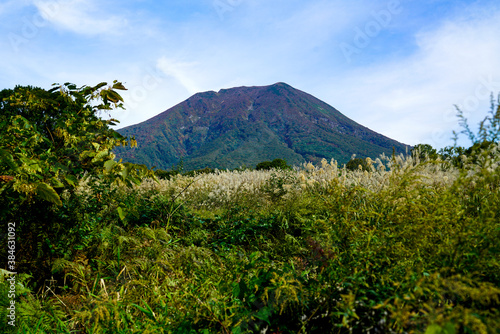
(126, 171)
(102, 84)
(7, 159)
(135, 180)
(264, 314)
(48, 193)
(2, 188)
(108, 165)
(56, 183)
(236, 290)
(149, 312)
(72, 180)
(433, 329)
(86, 154)
(114, 96)
(100, 155)
(121, 213)
(119, 86)
(449, 328)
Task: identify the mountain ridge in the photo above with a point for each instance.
(249, 124)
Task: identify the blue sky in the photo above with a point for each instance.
(397, 67)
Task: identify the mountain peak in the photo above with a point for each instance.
(278, 84)
(282, 84)
(246, 125)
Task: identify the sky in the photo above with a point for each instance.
(398, 67)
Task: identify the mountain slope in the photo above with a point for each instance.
(247, 125)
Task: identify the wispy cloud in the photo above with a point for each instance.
(183, 72)
(80, 16)
(413, 98)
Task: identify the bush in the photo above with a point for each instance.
(358, 164)
(276, 163)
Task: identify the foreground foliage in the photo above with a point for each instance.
(50, 140)
(411, 247)
(400, 245)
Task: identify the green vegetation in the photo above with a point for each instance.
(358, 163)
(248, 125)
(408, 245)
(179, 169)
(424, 152)
(276, 164)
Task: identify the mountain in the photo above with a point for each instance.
(247, 125)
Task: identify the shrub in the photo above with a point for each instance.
(358, 164)
(276, 163)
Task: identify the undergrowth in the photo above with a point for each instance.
(407, 247)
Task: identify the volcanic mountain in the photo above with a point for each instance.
(246, 125)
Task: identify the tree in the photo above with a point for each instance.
(424, 152)
(50, 138)
(358, 163)
(276, 163)
(452, 154)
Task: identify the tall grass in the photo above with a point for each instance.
(409, 247)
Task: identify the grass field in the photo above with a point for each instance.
(409, 247)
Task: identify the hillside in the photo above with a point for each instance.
(247, 125)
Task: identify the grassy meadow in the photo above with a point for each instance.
(402, 244)
(411, 246)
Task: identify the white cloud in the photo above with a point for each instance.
(80, 16)
(183, 72)
(412, 99)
